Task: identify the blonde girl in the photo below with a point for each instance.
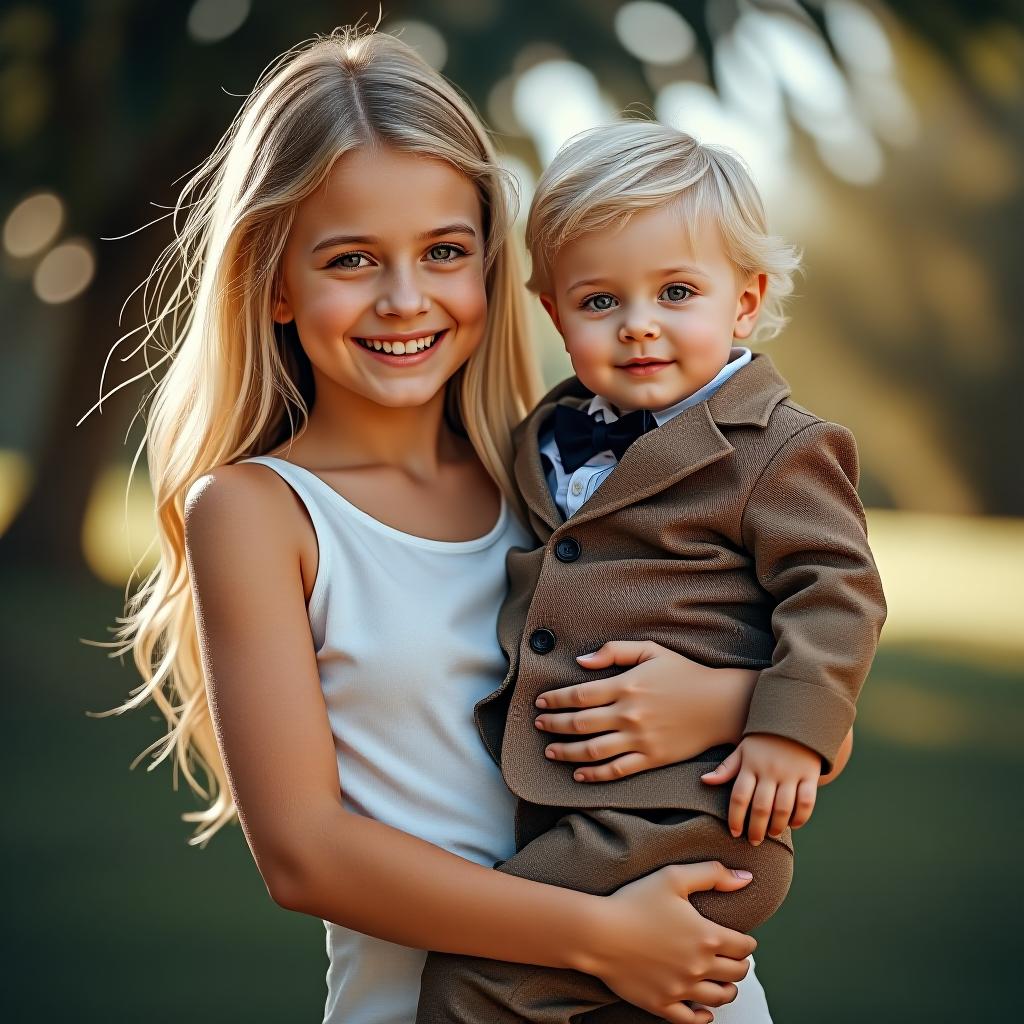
(329, 449)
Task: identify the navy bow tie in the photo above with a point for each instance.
(580, 436)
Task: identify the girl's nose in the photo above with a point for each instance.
(402, 297)
(639, 329)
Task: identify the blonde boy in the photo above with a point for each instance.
(680, 497)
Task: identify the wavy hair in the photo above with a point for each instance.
(238, 385)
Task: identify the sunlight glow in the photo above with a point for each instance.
(654, 32)
(33, 224)
(555, 100)
(64, 272)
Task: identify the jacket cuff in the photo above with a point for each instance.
(808, 713)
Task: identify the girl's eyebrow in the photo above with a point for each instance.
(457, 228)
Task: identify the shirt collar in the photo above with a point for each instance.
(738, 358)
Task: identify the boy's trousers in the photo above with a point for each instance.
(597, 851)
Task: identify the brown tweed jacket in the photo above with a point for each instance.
(732, 534)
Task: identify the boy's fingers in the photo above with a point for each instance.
(725, 771)
(785, 800)
(592, 694)
(806, 794)
(760, 811)
(742, 791)
(620, 652)
(628, 764)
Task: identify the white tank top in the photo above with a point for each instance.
(406, 644)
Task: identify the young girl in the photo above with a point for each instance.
(329, 451)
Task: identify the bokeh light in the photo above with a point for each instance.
(858, 37)
(33, 224)
(424, 39)
(119, 526)
(654, 32)
(557, 99)
(64, 272)
(210, 21)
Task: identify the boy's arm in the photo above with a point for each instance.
(805, 526)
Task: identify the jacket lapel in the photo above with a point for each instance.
(657, 460)
(690, 441)
(528, 468)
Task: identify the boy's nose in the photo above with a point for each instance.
(639, 330)
(402, 298)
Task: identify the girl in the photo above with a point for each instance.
(329, 454)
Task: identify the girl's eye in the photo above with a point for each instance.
(445, 253)
(675, 293)
(599, 303)
(349, 261)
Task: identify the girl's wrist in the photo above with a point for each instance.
(595, 935)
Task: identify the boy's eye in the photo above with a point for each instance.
(675, 293)
(599, 303)
(446, 252)
(349, 261)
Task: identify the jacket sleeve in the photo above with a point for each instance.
(805, 526)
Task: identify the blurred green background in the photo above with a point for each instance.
(888, 141)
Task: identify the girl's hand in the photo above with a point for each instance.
(665, 709)
(656, 950)
(776, 779)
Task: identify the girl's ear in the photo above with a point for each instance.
(283, 310)
(748, 306)
(551, 308)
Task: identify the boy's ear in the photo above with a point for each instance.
(548, 302)
(748, 306)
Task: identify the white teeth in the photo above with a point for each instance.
(399, 348)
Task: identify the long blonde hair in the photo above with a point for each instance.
(235, 385)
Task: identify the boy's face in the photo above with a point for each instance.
(646, 319)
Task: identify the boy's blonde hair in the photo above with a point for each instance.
(238, 385)
(599, 178)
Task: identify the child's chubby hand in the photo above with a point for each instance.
(664, 709)
(776, 779)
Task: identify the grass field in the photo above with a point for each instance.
(905, 905)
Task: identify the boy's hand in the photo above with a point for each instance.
(776, 778)
(665, 709)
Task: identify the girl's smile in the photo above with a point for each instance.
(402, 349)
(383, 276)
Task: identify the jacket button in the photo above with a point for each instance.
(542, 641)
(567, 550)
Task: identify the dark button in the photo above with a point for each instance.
(542, 641)
(567, 550)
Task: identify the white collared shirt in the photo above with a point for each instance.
(571, 490)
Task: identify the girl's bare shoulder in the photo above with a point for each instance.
(238, 495)
(245, 512)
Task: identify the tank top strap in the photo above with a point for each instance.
(301, 481)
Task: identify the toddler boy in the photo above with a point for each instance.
(680, 497)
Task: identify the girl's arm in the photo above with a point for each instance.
(243, 539)
(662, 709)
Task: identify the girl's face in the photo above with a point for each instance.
(383, 274)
